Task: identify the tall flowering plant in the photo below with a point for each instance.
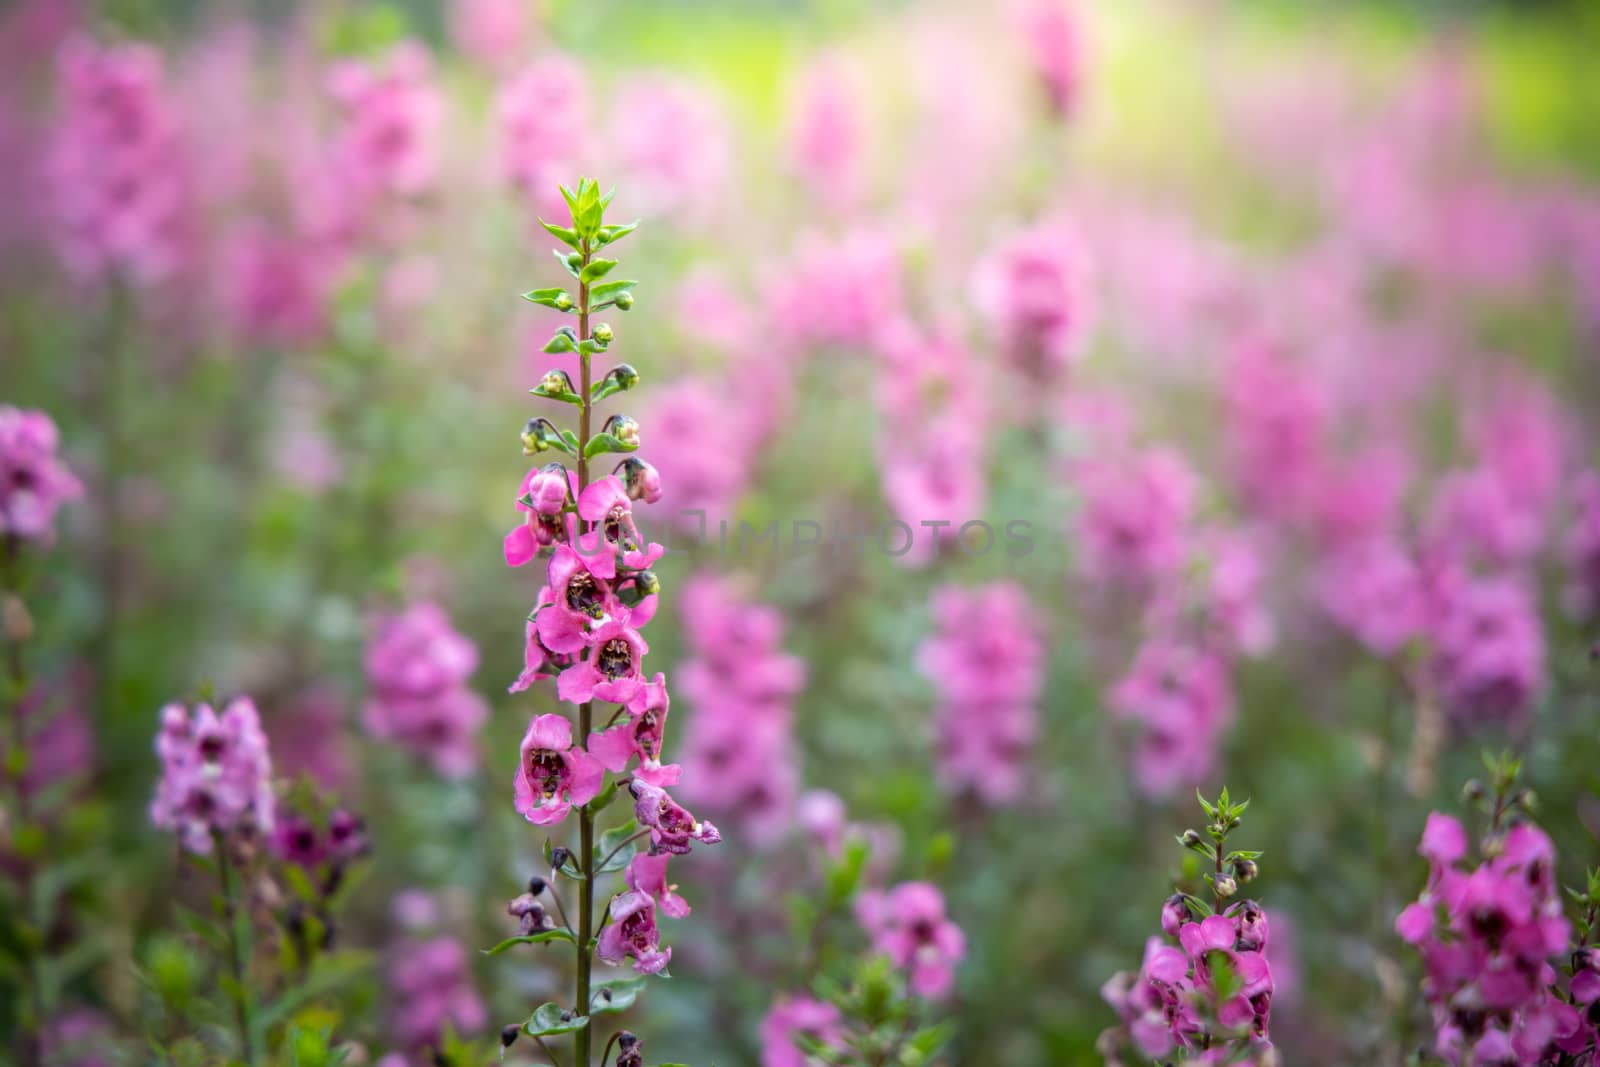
(584, 631)
(1207, 998)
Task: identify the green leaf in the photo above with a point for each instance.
(605, 442)
(551, 1018)
(568, 260)
(844, 876)
(613, 841)
(561, 233)
(596, 269)
(561, 342)
(530, 939)
(609, 290)
(557, 298)
(609, 234)
(615, 996)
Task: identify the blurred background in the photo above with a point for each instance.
(1261, 337)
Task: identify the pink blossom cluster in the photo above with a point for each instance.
(216, 774)
(430, 986)
(1173, 1002)
(1487, 936)
(986, 659)
(739, 753)
(542, 116)
(1180, 695)
(387, 146)
(116, 167)
(932, 402)
(1034, 292)
(584, 630)
(908, 924)
(34, 482)
(417, 668)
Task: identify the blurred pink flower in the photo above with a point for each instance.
(908, 924)
(1034, 291)
(542, 119)
(430, 984)
(34, 483)
(493, 32)
(673, 147)
(216, 774)
(418, 668)
(791, 1015)
(1181, 699)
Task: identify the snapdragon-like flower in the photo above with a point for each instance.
(632, 933)
(792, 1016)
(1489, 935)
(738, 754)
(1181, 697)
(908, 924)
(118, 175)
(986, 659)
(1209, 996)
(34, 483)
(418, 667)
(430, 984)
(553, 775)
(671, 825)
(1488, 651)
(216, 774)
(647, 873)
(1034, 291)
(639, 736)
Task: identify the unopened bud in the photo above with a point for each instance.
(602, 333)
(1245, 870)
(624, 428)
(1191, 838)
(508, 1035)
(1225, 886)
(563, 302)
(536, 885)
(559, 856)
(629, 1051)
(555, 383)
(1474, 791)
(642, 480)
(624, 301)
(574, 260)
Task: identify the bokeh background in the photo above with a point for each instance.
(1277, 323)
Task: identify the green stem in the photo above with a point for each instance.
(584, 961)
(29, 1050)
(237, 963)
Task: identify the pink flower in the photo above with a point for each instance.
(1488, 652)
(1135, 513)
(675, 149)
(418, 667)
(632, 932)
(387, 149)
(1034, 290)
(671, 826)
(1182, 698)
(34, 483)
(1051, 35)
(552, 776)
(216, 774)
(792, 1015)
(614, 542)
(836, 292)
(119, 179)
(986, 659)
(542, 115)
(611, 673)
(430, 985)
(908, 924)
(1375, 590)
(491, 31)
(639, 736)
(647, 873)
(576, 601)
(828, 134)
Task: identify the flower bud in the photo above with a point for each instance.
(1225, 885)
(1473, 791)
(538, 435)
(624, 428)
(643, 481)
(573, 260)
(535, 885)
(1174, 913)
(555, 383)
(629, 1051)
(624, 301)
(563, 302)
(559, 856)
(1191, 838)
(508, 1035)
(601, 333)
(1245, 870)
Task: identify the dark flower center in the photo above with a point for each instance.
(583, 594)
(615, 658)
(545, 770)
